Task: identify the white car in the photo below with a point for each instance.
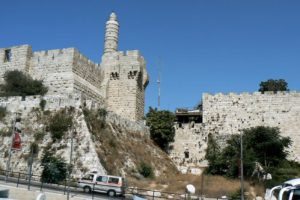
(112, 185)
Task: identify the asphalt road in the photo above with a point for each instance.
(53, 188)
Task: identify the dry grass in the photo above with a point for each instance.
(213, 186)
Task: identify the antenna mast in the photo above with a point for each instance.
(158, 84)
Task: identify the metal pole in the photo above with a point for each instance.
(242, 169)
(10, 149)
(70, 164)
(30, 168)
(202, 179)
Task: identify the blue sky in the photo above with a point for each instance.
(202, 46)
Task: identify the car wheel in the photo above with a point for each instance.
(87, 189)
(111, 193)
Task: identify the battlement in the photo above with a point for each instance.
(267, 93)
(54, 52)
(20, 53)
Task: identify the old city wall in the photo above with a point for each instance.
(54, 67)
(88, 78)
(225, 114)
(125, 90)
(83, 142)
(19, 59)
(188, 149)
(63, 71)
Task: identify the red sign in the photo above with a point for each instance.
(16, 141)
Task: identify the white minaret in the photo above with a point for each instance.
(111, 34)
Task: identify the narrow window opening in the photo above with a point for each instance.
(7, 56)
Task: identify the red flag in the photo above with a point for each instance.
(16, 141)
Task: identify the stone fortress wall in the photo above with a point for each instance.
(226, 114)
(118, 83)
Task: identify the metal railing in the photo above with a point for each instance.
(23, 178)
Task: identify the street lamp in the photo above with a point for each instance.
(70, 163)
(16, 119)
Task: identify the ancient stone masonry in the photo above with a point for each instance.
(118, 83)
(226, 114)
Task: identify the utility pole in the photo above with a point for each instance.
(30, 166)
(202, 180)
(158, 83)
(242, 168)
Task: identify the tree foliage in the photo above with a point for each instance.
(273, 85)
(55, 168)
(161, 123)
(59, 124)
(19, 84)
(261, 144)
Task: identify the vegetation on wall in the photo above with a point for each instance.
(161, 123)
(2, 113)
(120, 150)
(59, 123)
(273, 85)
(43, 104)
(19, 84)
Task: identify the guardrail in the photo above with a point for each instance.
(23, 178)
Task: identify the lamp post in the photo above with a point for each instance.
(70, 163)
(11, 145)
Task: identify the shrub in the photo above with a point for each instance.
(43, 104)
(102, 113)
(2, 113)
(34, 148)
(59, 124)
(6, 132)
(19, 84)
(55, 168)
(39, 136)
(146, 170)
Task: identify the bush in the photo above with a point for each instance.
(55, 168)
(146, 170)
(43, 104)
(39, 136)
(34, 148)
(19, 84)
(2, 113)
(59, 124)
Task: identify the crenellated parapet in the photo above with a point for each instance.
(119, 82)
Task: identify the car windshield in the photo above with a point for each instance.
(88, 177)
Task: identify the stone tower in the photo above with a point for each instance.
(126, 76)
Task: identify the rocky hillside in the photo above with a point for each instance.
(101, 143)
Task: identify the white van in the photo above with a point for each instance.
(112, 185)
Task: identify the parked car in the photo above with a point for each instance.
(112, 185)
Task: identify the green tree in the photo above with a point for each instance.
(55, 168)
(213, 156)
(273, 85)
(262, 144)
(161, 123)
(19, 84)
